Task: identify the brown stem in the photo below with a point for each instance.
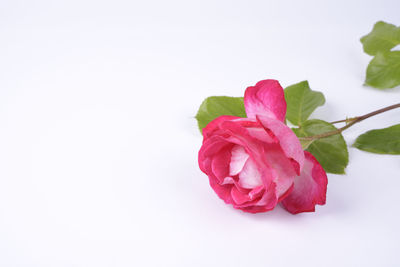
(345, 120)
(351, 122)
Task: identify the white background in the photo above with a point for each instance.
(98, 144)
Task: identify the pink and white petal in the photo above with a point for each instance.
(260, 134)
(288, 141)
(239, 197)
(214, 125)
(256, 192)
(240, 136)
(250, 176)
(220, 164)
(228, 180)
(309, 188)
(284, 195)
(261, 198)
(208, 150)
(266, 98)
(254, 147)
(277, 161)
(238, 159)
(281, 168)
(212, 145)
(247, 122)
(240, 188)
(269, 199)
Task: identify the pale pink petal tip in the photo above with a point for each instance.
(266, 98)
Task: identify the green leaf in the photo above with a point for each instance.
(301, 102)
(382, 38)
(331, 152)
(215, 106)
(384, 70)
(306, 143)
(382, 141)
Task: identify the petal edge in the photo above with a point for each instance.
(309, 188)
(266, 98)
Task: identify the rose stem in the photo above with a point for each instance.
(351, 122)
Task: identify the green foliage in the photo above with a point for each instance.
(215, 106)
(305, 143)
(382, 141)
(384, 70)
(331, 152)
(301, 102)
(382, 38)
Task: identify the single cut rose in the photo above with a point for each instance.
(257, 162)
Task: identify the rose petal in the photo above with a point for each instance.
(288, 141)
(238, 196)
(284, 195)
(220, 164)
(228, 180)
(266, 202)
(250, 177)
(240, 136)
(309, 188)
(260, 134)
(238, 159)
(266, 98)
(214, 125)
(278, 162)
(209, 149)
(281, 168)
(223, 191)
(213, 145)
(256, 192)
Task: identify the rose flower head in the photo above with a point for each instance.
(254, 163)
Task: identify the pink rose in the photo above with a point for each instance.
(257, 162)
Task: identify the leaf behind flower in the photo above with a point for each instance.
(301, 102)
(215, 106)
(331, 152)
